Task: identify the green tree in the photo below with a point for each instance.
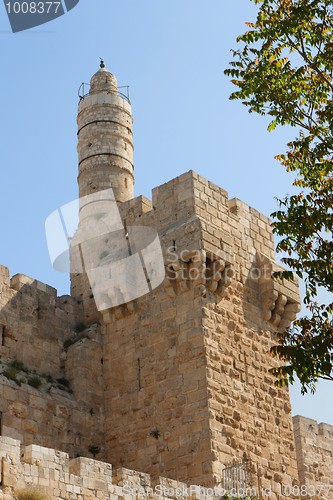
(284, 69)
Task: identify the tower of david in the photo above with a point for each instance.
(151, 379)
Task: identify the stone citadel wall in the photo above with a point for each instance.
(48, 395)
(54, 474)
(175, 383)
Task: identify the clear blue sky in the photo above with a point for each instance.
(172, 54)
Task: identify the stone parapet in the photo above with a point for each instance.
(34, 322)
(314, 451)
(51, 472)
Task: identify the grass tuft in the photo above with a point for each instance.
(30, 493)
(34, 381)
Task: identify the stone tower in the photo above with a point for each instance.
(169, 385)
(187, 389)
(105, 141)
(185, 367)
(105, 155)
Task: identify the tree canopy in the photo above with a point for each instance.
(284, 69)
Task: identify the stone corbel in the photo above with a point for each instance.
(219, 274)
(119, 312)
(280, 301)
(200, 269)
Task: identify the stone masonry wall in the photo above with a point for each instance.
(155, 397)
(49, 419)
(155, 375)
(249, 416)
(52, 473)
(314, 447)
(186, 375)
(50, 372)
(34, 322)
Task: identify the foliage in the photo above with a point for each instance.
(75, 338)
(14, 367)
(70, 341)
(285, 70)
(80, 327)
(18, 365)
(34, 381)
(11, 374)
(30, 493)
(81, 332)
(94, 450)
(155, 433)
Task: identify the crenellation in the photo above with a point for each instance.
(314, 449)
(52, 472)
(32, 315)
(25, 284)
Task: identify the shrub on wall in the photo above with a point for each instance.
(34, 381)
(30, 493)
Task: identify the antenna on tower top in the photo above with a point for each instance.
(102, 65)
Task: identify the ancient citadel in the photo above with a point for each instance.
(170, 389)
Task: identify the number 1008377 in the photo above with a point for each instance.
(33, 7)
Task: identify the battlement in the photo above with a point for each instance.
(24, 283)
(190, 194)
(40, 293)
(190, 197)
(189, 191)
(314, 450)
(52, 472)
(34, 321)
(310, 427)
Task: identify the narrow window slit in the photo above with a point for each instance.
(139, 374)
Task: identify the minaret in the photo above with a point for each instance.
(105, 150)
(105, 140)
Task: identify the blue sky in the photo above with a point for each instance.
(172, 54)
